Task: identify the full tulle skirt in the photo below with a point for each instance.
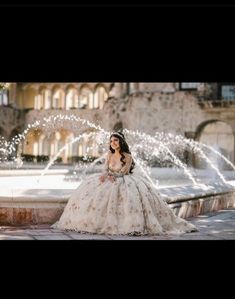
(130, 205)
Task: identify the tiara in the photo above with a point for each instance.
(116, 133)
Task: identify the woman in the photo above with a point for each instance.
(120, 202)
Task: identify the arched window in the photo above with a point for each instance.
(81, 147)
(92, 147)
(89, 147)
(35, 148)
(46, 99)
(85, 98)
(40, 145)
(43, 99)
(43, 146)
(31, 143)
(58, 98)
(55, 143)
(100, 97)
(71, 98)
(69, 149)
(80, 150)
(37, 101)
(219, 136)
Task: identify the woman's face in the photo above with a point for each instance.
(114, 142)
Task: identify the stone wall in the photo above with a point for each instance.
(10, 120)
(150, 112)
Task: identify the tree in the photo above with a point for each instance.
(4, 85)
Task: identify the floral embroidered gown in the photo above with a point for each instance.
(129, 205)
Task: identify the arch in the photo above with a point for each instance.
(86, 146)
(82, 147)
(85, 97)
(91, 145)
(31, 143)
(70, 86)
(40, 147)
(71, 97)
(43, 145)
(100, 96)
(41, 88)
(43, 99)
(218, 135)
(55, 143)
(202, 126)
(58, 140)
(69, 149)
(58, 97)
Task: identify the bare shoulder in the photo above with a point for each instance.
(109, 154)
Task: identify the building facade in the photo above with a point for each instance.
(202, 111)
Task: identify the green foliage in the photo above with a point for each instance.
(4, 85)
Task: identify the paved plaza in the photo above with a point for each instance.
(219, 225)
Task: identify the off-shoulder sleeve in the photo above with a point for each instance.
(126, 168)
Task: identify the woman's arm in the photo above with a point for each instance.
(106, 164)
(104, 174)
(126, 168)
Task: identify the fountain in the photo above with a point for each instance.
(32, 196)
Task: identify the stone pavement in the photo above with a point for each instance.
(219, 225)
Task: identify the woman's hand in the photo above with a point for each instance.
(111, 178)
(103, 178)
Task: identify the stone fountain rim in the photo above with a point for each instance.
(62, 195)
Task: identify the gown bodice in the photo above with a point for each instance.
(115, 167)
(118, 167)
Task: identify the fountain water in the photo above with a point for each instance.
(160, 150)
(142, 144)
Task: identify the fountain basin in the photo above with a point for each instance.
(45, 206)
(27, 198)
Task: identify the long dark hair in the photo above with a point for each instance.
(124, 148)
